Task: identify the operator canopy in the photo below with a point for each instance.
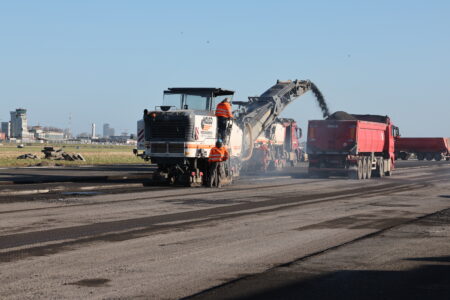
(197, 98)
(200, 91)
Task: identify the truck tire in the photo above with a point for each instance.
(420, 156)
(381, 168)
(369, 168)
(437, 156)
(360, 169)
(429, 156)
(365, 168)
(404, 155)
(271, 166)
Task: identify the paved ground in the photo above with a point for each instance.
(266, 235)
(394, 264)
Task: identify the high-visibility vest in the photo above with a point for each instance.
(224, 110)
(218, 154)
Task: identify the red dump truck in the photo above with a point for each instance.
(424, 148)
(358, 146)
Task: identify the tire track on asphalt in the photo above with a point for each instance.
(138, 227)
(205, 192)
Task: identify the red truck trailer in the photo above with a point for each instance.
(277, 147)
(358, 145)
(424, 148)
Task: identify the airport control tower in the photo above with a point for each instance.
(19, 125)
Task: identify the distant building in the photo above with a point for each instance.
(68, 133)
(6, 129)
(108, 131)
(47, 135)
(122, 139)
(93, 131)
(19, 125)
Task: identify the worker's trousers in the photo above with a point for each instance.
(222, 123)
(215, 174)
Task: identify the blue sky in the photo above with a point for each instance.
(105, 61)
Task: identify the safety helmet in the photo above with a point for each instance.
(219, 143)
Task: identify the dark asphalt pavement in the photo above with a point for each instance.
(406, 270)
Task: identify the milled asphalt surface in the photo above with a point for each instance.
(276, 236)
(407, 262)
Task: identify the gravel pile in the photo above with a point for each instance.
(341, 115)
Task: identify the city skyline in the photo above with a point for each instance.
(29, 125)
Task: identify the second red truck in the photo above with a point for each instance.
(423, 148)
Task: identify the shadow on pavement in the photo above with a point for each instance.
(424, 282)
(444, 259)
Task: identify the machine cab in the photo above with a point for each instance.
(203, 99)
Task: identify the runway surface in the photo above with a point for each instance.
(279, 235)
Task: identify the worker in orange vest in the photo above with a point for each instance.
(223, 114)
(217, 156)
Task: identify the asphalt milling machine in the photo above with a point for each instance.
(178, 135)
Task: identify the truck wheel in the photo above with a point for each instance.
(437, 156)
(404, 155)
(420, 156)
(380, 168)
(429, 156)
(364, 171)
(369, 168)
(360, 169)
(271, 166)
